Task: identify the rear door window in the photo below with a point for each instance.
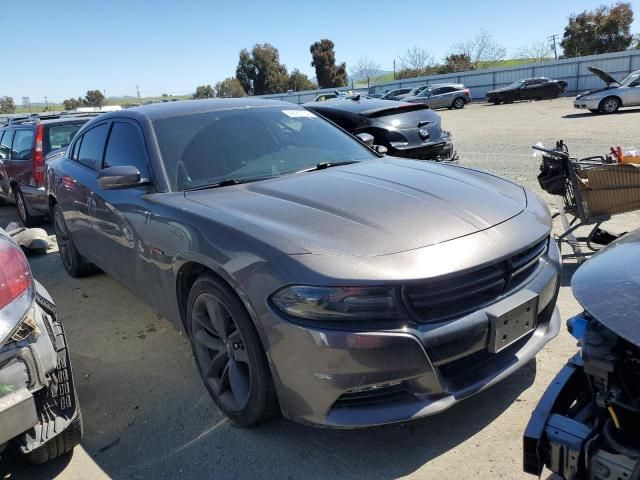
(126, 148)
(5, 144)
(60, 136)
(22, 144)
(92, 146)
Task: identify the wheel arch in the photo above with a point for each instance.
(617, 97)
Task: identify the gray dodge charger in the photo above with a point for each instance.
(311, 274)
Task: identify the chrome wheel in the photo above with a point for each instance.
(610, 105)
(458, 103)
(220, 352)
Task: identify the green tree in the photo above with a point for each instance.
(7, 105)
(602, 30)
(457, 62)
(329, 74)
(72, 103)
(260, 71)
(298, 81)
(230, 87)
(94, 98)
(204, 91)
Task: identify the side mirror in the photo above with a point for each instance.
(366, 138)
(119, 177)
(381, 149)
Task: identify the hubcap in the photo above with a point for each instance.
(610, 105)
(220, 352)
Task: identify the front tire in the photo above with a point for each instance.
(458, 103)
(609, 105)
(228, 353)
(73, 262)
(62, 443)
(27, 219)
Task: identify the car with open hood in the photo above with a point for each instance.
(310, 273)
(528, 89)
(409, 130)
(615, 95)
(587, 422)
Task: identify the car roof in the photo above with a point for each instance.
(188, 107)
(28, 122)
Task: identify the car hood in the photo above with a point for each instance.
(499, 90)
(604, 76)
(608, 287)
(371, 208)
(594, 91)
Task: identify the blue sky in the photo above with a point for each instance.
(63, 48)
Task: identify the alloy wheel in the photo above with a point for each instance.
(458, 103)
(62, 238)
(610, 105)
(220, 352)
(22, 210)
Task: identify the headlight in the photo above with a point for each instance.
(337, 303)
(589, 98)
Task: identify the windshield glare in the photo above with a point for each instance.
(517, 84)
(629, 79)
(249, 144)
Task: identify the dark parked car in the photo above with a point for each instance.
(24, 144)
(453, 95)
(393, 94)
(347, 288)
(404, 129)
(587, 423)
(528, 89)
(39, 413)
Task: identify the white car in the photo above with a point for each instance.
(617, 94)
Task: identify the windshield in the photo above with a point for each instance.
(250, 144)
(629, 79)
(517, 84)
(425, 93)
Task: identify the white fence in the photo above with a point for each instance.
(572, 70)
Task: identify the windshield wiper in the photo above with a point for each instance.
(227, 182)
(324, 165)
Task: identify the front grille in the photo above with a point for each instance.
(440, 299)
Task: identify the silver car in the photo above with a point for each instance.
(617, 94)
(452, 95)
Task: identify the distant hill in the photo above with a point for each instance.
(377, 74)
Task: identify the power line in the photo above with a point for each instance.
(555, 48)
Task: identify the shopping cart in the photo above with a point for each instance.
(588, 192)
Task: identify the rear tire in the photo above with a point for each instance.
(73, 262)
(27, 219)
(458, 103)
(609, 105)
(62, 443)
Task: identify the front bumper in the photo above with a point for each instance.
(581, 103)
(357, 379)
(39, 398)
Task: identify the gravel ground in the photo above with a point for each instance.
(148, 416)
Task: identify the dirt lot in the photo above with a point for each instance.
(147, 415)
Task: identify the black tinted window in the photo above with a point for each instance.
(93, 145)
(126, 148)
(22, 144)
(249, 144)
(5, 144)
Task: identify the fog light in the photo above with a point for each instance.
(377, 386)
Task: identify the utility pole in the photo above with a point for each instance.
(555, 49)
(46, 102)
(394, 68)
(138, 90)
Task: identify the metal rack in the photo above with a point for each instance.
(36, 118)
(581, 205)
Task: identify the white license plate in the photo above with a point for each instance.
(509, 324)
